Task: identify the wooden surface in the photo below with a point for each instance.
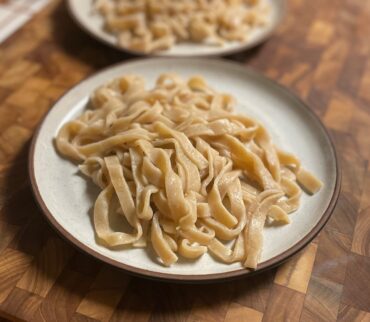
(321, 52)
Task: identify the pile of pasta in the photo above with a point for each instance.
(183, 171)
(154, 25)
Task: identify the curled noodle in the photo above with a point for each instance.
(155, 25)
(187, 174)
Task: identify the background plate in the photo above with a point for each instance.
(67, 198)
(92, 23)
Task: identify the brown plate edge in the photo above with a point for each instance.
(179, 278)
(245, 47)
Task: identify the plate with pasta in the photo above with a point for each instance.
(184, 169)
(179, 28)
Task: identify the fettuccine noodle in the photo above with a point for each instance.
(182, 170)
(154, 25)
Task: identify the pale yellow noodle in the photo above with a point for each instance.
(154, 25)
(182, 170)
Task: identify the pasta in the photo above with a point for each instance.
(184, 172)
(154, 25)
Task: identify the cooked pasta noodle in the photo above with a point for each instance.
(154, 25)
(184, 171)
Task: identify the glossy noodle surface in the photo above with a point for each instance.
(184, 172)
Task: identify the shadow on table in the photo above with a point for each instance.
(202, 302)
(246, 56)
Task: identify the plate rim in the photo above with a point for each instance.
(270, 263)
(247, 46)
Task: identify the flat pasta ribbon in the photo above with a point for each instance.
(182, 172)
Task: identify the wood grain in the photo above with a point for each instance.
(356, 293)
(104, 294)
(296, 273)
(22, 304)
(321, 52)
(206, 307)
(41, 276)
(332, 256)
(284, 305)
(322, 300)
(254, 292)
(131, 308)
(348, 313)
(238, 312)
(12, 265)
(361, 238)
(7, 233)
(61, 302)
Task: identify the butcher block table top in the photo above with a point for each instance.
(321, 52)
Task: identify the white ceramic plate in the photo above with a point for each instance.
(92, 23)
(67, 198)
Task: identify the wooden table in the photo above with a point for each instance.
(321, 52)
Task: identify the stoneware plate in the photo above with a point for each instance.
(67, 198)
(84, 15)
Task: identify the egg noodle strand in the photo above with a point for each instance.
(182, 170)
(154, 25)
